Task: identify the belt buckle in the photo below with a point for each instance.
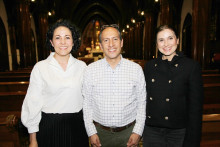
(112, 129)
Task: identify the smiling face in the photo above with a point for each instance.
(167, 43)
(62, 41)
(111, 44)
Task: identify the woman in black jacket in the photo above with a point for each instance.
(174, 95)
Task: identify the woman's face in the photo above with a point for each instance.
(167, 43)
(62, 41)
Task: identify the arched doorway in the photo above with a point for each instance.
(187, 36)
(4, 63)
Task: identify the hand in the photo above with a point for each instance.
(133, 140)
(95, 142)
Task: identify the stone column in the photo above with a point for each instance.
(166, 16)
(149, 37)
(24, 33)
(138, 41)
(43, 52)
(200, 31)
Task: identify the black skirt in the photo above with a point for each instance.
(62, 130)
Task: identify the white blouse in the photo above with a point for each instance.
(52, 90)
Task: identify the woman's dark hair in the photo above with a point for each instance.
(71, 27)
(163, 27)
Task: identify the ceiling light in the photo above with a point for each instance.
(49, 13)
(133, 20)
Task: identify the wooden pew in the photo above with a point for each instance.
(12, 133)
(10, 104)
(28, 69)
(212, 93)
(210, 130)
(211, 115)
(213, 71)
(211, 108)
(14, 78)
(15, 73)
(211, 98)
(13, 86)
(11, 101)
(211, 78)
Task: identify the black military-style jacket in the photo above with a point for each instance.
(174, 94)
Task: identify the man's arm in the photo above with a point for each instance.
(87, 103)
(141, 103)
(141, 110)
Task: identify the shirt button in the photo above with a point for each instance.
(151, 98)
(176, 65)
(167, 99)
(166, 118)
(170, 81)
(153, 80)
(155, 65)
(149, 116)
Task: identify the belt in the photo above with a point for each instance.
(113, 129)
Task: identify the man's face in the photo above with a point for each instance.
(111, 43)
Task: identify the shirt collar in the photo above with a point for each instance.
(54, 62)
(119, 64)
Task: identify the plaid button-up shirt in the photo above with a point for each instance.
(114, 97)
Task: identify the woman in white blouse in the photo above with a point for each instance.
(52, 108)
